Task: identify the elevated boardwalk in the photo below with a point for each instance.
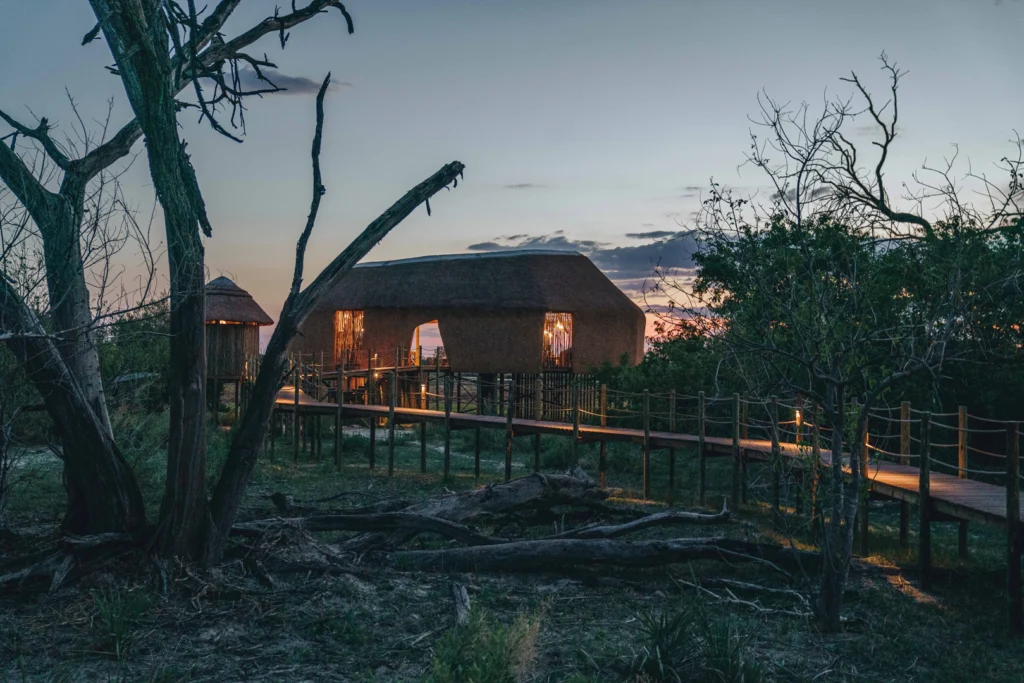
(939, 497)
(949, 495)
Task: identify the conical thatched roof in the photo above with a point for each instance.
(227, 301)
(545, 280)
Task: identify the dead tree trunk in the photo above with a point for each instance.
(58, 217)
(247, 439)
(837, 547)
(107, 496)
(137, 35)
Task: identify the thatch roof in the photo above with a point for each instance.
(227, 301)
(545, 280)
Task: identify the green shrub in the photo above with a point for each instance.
(117, 615)
(686, 645)
(485, 651)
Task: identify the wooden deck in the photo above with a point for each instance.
(949, 496)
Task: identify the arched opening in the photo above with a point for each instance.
(426, 340)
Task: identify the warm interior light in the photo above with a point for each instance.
(798, 421)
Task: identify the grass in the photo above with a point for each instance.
(378, 625)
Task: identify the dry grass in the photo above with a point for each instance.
(373, 624)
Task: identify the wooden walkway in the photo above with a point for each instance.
(938, 497)
(949, 495)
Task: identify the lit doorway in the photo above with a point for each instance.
(426, 339)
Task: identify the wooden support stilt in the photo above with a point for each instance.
(575, 420)
(423, 447)
(392, 396)
(339, 430)
(447, 424)
(1013, 546)
(373, 443)
(536, 452)
(737, 464)
(670, 494)
(904, 460)
(602, 461)
(295, 415)
(476, 453)
(647, 444)
(865, 499)
(509, 433)
(744, 433)
(961, 452)
(702, 463)
(924, 557)
(776, 457)
(815, 472)
(798, 490)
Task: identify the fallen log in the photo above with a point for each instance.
(384, 522)
(535, 491)
(524, 556)
(530, 492)
(658, 519)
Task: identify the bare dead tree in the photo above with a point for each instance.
(297, 307)
(59, 214)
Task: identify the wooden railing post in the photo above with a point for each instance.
(447, 424)
(647, 444)
(670, 495)
(295, 415)
(421, 376)
(776, 458)
(575, 420)
(924, 493)
(904, 460)
(815, 470)
(602, 460)
(744, 434)
(338, 419)
(737, 464)
(423, 446)
(476, 435)
(509, 433)
(961, 453)
(538, 414)
(392, 396)
(798, 438)
(702, 464)
(865, 499)
(1013, 581)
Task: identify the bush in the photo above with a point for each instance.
(689, 646)
(485, 651)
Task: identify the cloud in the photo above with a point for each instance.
(652, 235)
(293, 85)
(815, 193)
(627, 266)
(523, 186)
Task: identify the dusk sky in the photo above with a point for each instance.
(577, 121)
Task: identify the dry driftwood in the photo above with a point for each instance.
(658, 519)
(384, 522)
(560, 553)
(460, 596)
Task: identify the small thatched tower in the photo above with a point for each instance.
(233, 321)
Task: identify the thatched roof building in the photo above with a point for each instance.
(516, 311)
(227, 302)
(233, 321)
